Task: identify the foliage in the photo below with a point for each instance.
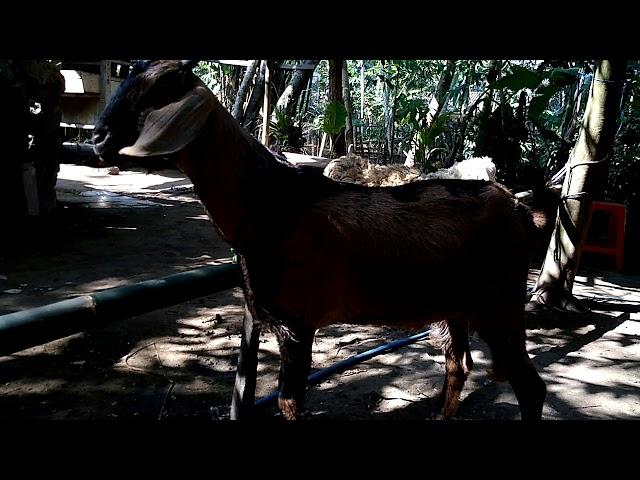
(624, 168)
(335, 118)
(286, 133)
(527, 119)
(216, 76)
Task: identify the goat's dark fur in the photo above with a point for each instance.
(316, 252)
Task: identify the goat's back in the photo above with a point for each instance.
(396, 255)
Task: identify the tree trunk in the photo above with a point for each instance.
(266, 105)
(305, 104)
(391, 128)
(234, 80)
(335, 95)
(567, 129)
(362, 90)
(291, 96)
(585, 169)
(256, 99)
(274, 75)
(385, 110)
(492, 75)
(247, 80)
(346, 94)
(437, 101)
(482, 138)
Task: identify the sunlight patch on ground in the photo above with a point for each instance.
(591, 378)
(126, 181)
(98, 285)
(96, 188)
(103, 199)
(393, 398)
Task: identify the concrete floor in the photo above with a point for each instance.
(590, 363)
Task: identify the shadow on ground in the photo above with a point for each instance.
(179, 362)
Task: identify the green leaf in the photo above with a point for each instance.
(438, 127)
(540, 102)
(545, 132)
(422, 137)
(518, 79)
(335, 118)
(563, 76)
(408, 110)
(550, 118)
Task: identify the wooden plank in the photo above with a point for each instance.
(242, 63)
(246, 63)
(295, 66)
(83, 62)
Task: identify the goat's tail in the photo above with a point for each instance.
(538, 223)
(533, 219)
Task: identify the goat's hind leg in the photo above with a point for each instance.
(453, 337)
(506, 338)
(295, 364)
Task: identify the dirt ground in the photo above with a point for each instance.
(179, 362)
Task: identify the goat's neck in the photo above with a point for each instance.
(230, 171)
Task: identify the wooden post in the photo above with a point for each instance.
(265, 107)
(338, 143)
(322, 142)
(105, 83)
(244, 390)
(349, 136)
(362, 90)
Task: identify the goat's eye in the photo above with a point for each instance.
(142, 117)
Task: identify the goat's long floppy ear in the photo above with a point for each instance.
(171, 128)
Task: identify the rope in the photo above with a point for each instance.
(609, 81)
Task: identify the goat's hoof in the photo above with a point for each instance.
(437, 415)
(289, 408)
(443, 415)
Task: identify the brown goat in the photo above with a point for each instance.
(316, 252)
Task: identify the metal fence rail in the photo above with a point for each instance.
(35, 326)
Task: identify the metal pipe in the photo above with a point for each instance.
(342, 365)
(35, 326)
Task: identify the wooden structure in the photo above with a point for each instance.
(88, 87)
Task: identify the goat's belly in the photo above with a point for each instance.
(406, 323)
(388, 293)
(393, 312)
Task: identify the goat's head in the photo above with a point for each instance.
(159, 109)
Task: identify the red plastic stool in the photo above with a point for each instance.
(615, 238)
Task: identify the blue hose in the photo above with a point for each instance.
(342, 365)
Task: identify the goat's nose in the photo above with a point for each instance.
(100, 139)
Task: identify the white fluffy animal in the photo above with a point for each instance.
(355, 169)
(476, 168)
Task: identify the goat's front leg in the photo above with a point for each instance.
(295, 364)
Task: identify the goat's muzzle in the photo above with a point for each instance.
(101, 140)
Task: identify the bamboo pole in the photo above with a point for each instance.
(265, 107)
